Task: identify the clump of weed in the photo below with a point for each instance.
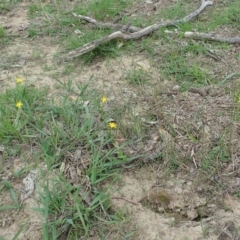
(58, 127)
(137, 77)
(2, 32)
(3, 36)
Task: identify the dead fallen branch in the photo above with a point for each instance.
(115, 26)
(126, 35)
(212, 37)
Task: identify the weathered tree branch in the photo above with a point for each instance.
(212, 37)
(134, 35)
(115, 26)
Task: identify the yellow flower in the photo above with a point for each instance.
(112, 125)
(19, 80)
(104, 99)
(19, 104)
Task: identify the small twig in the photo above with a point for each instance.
(194, 161)
(213, 55)
(125, 200)
(212, 37)
(135, 10)
(115, 26)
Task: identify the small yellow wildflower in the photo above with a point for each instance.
(19, 104)
(112, 125)
(19, 80)
(104, 99)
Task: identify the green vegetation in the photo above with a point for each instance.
(58, 127)
(137, 77)
(3, 37)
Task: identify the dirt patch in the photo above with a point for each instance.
(25, 220)
(176, 206)
(16, 21)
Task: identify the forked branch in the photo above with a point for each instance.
(134, 32)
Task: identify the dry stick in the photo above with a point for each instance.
(212, 37)
(117, 26)
(125, 200)
(136, 35)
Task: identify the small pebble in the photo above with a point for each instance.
(78, 32)
(178, 190)
(176, 88)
